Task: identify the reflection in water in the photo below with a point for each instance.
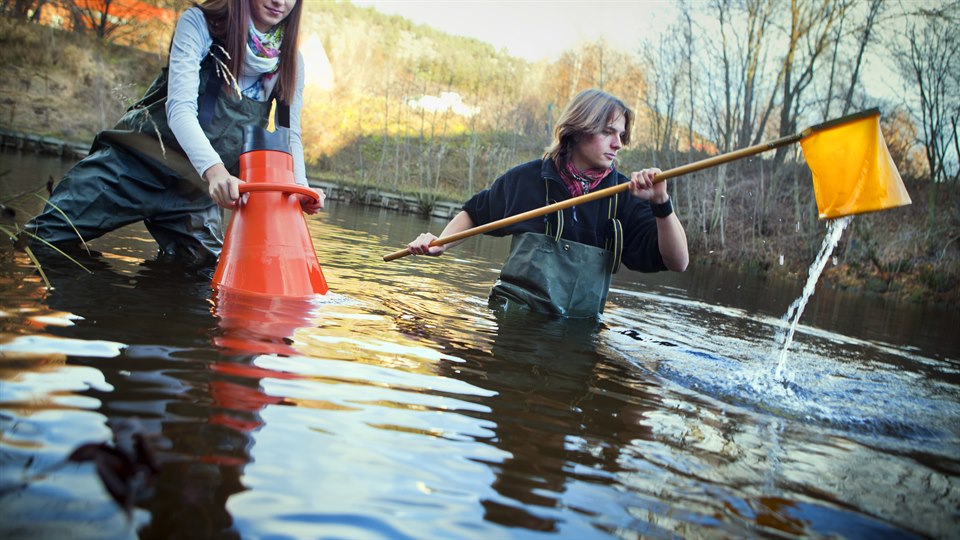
(161, 377)
(261, 324)
(550, 415)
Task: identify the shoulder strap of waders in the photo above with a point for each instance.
(282, 114)
(559, 214)
(614, 232)
(208, 101)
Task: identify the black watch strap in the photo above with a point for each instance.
(662, 210)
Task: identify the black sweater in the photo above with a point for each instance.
(522, 188)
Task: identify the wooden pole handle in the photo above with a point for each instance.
(606, 192)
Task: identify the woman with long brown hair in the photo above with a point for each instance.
(173, 156)
(562, 264)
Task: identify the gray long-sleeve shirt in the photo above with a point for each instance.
(191, 43)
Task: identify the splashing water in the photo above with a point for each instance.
(835, 228)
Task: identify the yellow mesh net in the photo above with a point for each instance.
(852, 169)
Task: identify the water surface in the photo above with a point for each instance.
(401, 406)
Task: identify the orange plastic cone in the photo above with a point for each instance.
(268, 249)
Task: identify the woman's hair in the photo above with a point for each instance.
(588, 114)
(229, 22)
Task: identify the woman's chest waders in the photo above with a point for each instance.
(222, 115)
(549, 274)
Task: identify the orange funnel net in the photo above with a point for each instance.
(268, 249)
(853, 172)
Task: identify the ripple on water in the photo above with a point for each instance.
(857, 392)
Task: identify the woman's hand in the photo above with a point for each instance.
(310, 205)
(421, 246)
(643, 188)
(223, 187)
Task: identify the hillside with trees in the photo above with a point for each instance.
(395, 106)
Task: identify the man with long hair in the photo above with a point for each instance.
(562, 264)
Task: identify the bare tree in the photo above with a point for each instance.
(722, 117)
(385, 141)
(928, 58)
(132, 23)
(666, 67)
(97, 16)
(22, 9)
(724, 111)
(808, 36)
(473, 144)
(689, 45)
(874, 10)
(930, 62)
(753, 58)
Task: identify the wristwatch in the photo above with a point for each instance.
(662, 210)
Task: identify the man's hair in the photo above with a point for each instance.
(588, 114)
(229, 22)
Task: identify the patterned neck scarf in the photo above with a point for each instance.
(579, 182)
(262, 58)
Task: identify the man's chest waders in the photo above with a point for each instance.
(549, 274)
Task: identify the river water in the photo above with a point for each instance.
(401, 406)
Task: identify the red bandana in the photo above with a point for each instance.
(579, 182)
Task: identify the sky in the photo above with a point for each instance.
(538, 29)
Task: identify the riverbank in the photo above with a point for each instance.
(28, 142)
